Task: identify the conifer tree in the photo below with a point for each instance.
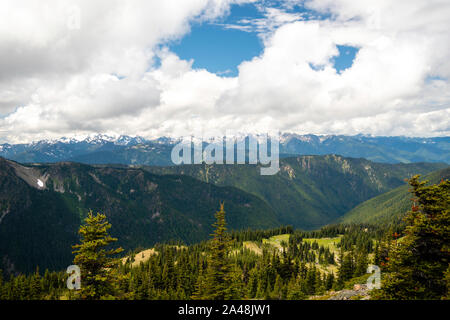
(278, 289)
(447, 281)
(320, 284)
(329, 281)
(294, 290)
(95, 259)
(218, 277)
(310, 281)
(377, 257)
(362, 263)
(345, 269)
(35, 285)
(253, 283)
(418, 262)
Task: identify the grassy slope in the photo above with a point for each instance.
(275, 244)
(330, 243)
(390, 206)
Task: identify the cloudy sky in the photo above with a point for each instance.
(154, 68)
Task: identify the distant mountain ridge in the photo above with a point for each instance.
(98, 149)
(377, 149)
(90, 150)
(309, 191)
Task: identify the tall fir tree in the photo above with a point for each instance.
(418, 262)
(95, 259)
(278, 289)
(346, 267)
(217, 282)
(362, 262)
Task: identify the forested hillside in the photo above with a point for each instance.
(389, 207)
(41, 208)
(309, 191)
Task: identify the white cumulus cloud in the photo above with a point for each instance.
(77, 66)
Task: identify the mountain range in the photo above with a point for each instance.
(43, 205)
(104, 149)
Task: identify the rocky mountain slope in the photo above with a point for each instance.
(42, 206)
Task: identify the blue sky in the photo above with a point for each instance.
(220, 47)
(217, 49)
